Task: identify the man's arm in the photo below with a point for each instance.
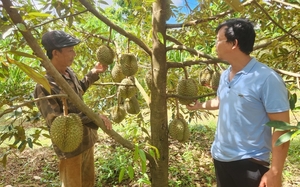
(212, 104)
(49, 108)
(273, 178)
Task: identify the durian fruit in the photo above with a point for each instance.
(66, 132)
(215, 79)
(132, 105)
(118, 114)
(105, 55)
(179, 130)
(129, 64)
(116, 73)
(127, 89)
(148, 78)
(187, 88)
(205, 76)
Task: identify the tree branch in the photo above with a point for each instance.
(53, 20)
(195, 22)
(287, 4)
(6, 111)
(191, 50)
(186, 97)
(136, 40)
(274, 22)
(193, 62)
(174, 40)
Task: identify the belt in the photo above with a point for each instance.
(261, 162)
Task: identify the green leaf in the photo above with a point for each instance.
(121, 175)
(284, 138)
(142, 155)
(278, 124)
(144, 167)
(31, 73)
(29, 142)
(4, 160)
(130, 172)
(136, 153)
(157, 155)
(292, 101)
(23, 54)
(160, 37)
(39, 14)
(22, 146)
(21, 27)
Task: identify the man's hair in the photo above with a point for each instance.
(241, 30)
(49, 53)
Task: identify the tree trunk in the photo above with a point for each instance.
(158, 106)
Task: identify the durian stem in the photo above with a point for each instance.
(215, 67)
(128, 46)
(109, 38)
(185, 73)
(65, 106)
(119, 99)
(177, 109)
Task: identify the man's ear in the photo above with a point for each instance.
(235, 44)
(55, 52)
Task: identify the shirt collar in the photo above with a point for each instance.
(248, 67)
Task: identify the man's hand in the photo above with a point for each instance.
(106, 121)
(99, 68)
(270, 179)
(195, 106)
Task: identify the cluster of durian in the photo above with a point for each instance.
(179, 130)
(210, 78)
(122, 72)
(66, 132)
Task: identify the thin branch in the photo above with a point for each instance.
(287, 4)
(274, 22)
(113, 83)
(195, 22)
(120, 30)
(297, 75)
(194, 62)
(191, 50)
(280, 38)
(174, 40)
(186, 97)
(53, 20)
(187, 5)
(32, 101)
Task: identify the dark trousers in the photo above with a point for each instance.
(242, 173)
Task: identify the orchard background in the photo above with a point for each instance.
(173, 42)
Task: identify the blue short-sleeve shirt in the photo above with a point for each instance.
(244, 103)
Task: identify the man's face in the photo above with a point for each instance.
(223, 48)
(66, 56)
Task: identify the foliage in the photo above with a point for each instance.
(190, 47)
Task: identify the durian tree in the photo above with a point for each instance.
(167, 53)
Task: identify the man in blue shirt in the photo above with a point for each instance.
(249, 95)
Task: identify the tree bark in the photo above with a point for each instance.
(158, 105)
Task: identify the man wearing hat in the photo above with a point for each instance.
(76, 168)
